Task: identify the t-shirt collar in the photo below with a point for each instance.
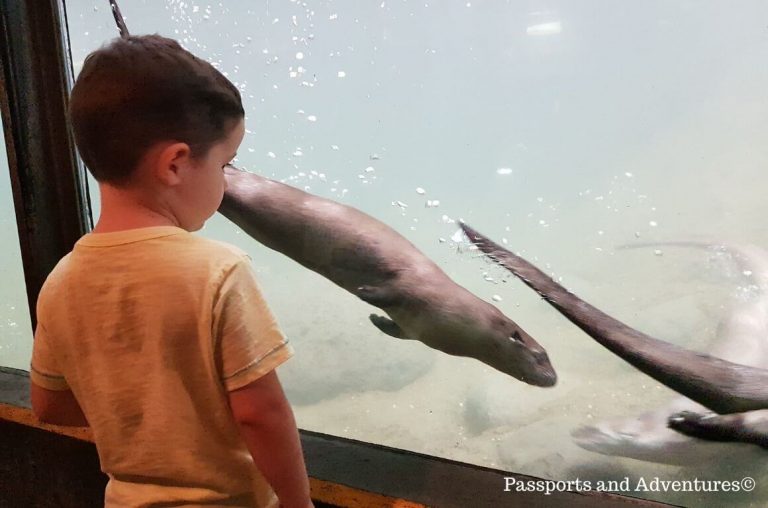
(128, 236)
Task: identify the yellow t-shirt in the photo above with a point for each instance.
(150, 328)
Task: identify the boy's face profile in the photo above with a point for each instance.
(196, 185)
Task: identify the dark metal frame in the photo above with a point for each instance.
(49, 186)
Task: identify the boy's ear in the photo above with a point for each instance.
(172, 162)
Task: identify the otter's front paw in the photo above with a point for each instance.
(709, 426)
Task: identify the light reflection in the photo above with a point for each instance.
(552, 28)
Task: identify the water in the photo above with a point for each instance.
(562, 129)
(15, 324)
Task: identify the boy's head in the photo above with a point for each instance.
(137, 92)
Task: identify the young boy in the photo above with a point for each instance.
(159, 339)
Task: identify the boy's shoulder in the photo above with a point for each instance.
(208, 255)
(186, 252)
(225, 250)
(59, 270)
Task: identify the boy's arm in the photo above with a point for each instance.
(52, 400)
(58, 407)
(269, 429)
(249, 347)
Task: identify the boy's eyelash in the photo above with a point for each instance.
(231, 163)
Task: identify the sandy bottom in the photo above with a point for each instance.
(404, 395)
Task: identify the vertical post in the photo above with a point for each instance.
(49, 186)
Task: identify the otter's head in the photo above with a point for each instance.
(516, 353)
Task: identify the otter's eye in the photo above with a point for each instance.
(515, 337)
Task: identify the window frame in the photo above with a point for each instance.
(50, 191)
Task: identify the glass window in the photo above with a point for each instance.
(15, 324)
(565, 131)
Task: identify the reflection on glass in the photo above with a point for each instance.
(15, 325)
(563, 134)
(552, 28)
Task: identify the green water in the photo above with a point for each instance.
(566, 129)
(15, 325)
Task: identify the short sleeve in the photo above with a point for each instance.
(44, 371)
(248, 341)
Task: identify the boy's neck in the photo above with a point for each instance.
(123, 209)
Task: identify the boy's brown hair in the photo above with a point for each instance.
(135, 92)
